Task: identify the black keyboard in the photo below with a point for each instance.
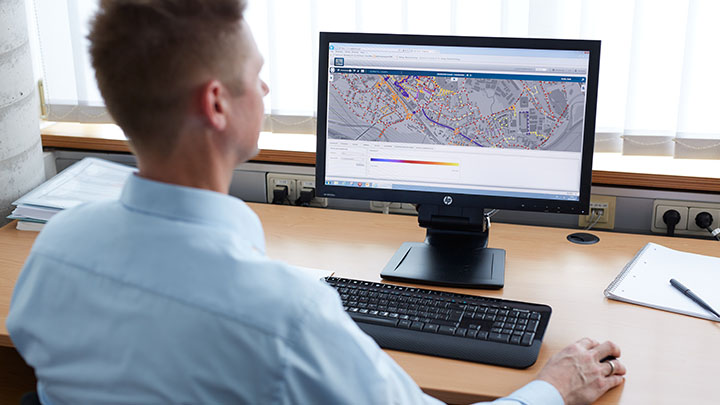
(458, 326)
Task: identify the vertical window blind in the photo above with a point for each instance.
(657, 94)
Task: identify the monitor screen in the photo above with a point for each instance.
(489, 122)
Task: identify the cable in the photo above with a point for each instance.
(715, 233)
(598, 215)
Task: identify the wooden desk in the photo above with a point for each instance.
(671, 358)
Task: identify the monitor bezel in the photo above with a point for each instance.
(580, 206)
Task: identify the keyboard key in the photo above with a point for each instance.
(532, 326)
(452, 318)
(535, 316)
(515, 339)
(446, 330)
(472, 333)
(499, 337)
(431, 327)
(404, 324)
(482, 335)
(417, 326)
(374, 320)
(527, 338)
(460, 332)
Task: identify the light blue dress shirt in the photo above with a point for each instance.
(166, 296)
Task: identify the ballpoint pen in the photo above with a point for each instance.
(692, 296)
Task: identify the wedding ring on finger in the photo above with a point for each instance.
(612, 368)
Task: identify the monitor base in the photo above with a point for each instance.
(460, 265)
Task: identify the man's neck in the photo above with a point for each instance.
(195, 164)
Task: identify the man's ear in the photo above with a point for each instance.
(214, 104)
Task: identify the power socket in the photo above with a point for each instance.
(603, 205)
(295, 184)
(661, 209)
(692, 213)
(278, 180)
(305, 182)
(688, 211)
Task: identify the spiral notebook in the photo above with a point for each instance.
(646, 281)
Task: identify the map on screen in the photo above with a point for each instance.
(518, 112)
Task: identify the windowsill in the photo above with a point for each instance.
(612, 169)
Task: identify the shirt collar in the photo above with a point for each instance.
(188, 204)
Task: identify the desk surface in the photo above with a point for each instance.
(671, 358)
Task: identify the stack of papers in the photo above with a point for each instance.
(88, 180)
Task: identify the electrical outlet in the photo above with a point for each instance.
(688, 211)
(295, 183)
(692, 213)
(306, 183)
(660, 210)
(603, 205)
(278, 180)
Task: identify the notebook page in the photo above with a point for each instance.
(647, 282)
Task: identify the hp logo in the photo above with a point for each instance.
(447, 200)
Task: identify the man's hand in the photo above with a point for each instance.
(578, 374)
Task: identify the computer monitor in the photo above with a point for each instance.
(456, 125)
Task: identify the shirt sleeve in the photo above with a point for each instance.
(536, 392)
(330, 360)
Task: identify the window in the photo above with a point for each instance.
(656, 96)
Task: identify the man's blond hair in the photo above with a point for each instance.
(151, 55)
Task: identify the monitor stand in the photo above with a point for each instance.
(454, 253)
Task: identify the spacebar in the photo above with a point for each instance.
(371, 319)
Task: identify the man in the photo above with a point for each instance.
(166, 295)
